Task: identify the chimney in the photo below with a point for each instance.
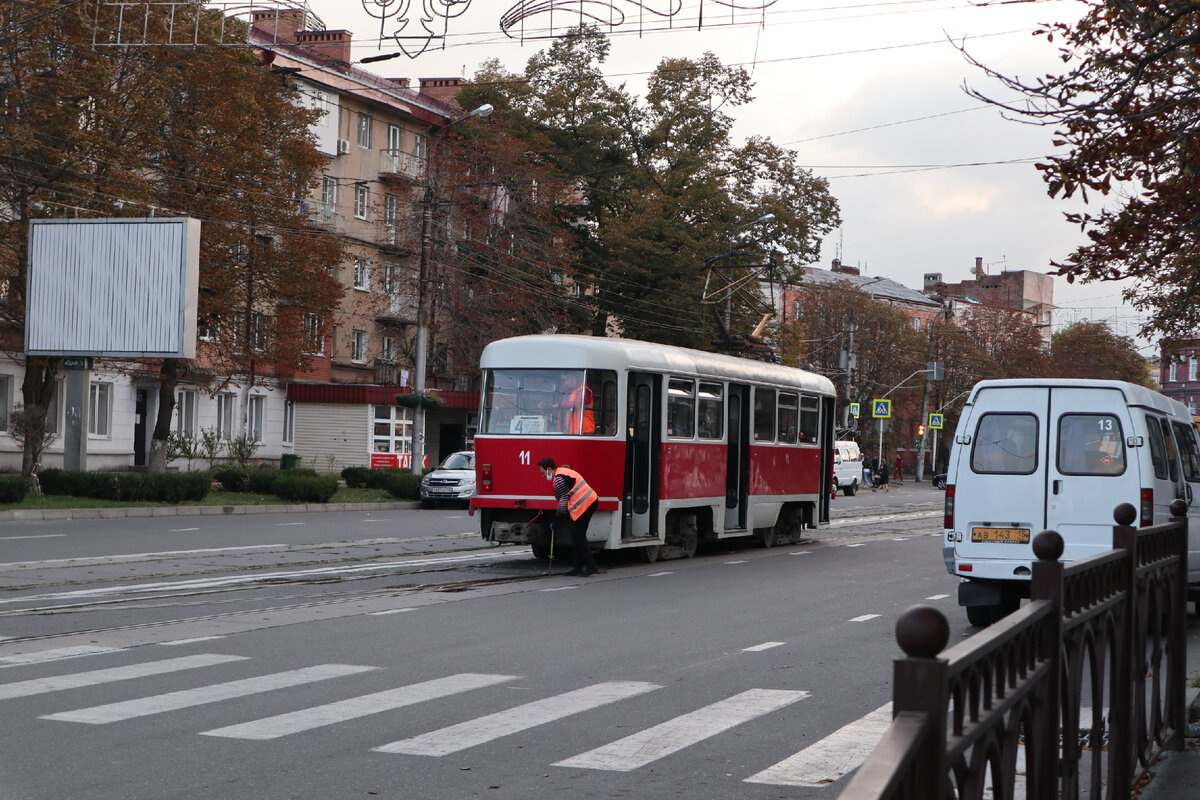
(835, 265)
(330, 45)
(979, 271)
(400, 83)
(932, 279)
(443, 89)
(281, 25)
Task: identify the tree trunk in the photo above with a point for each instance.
(168, 381)
(37, 391)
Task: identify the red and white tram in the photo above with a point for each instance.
(680, 445)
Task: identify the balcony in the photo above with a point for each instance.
(401, 164)
(390, 372)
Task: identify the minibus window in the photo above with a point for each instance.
(681, 408)
(810, 417)
(788, 417)
(1005, 444)
(764, 415)
(1090, 444)
(1158, 450)
(712, 410)
(1189, 456)
(1172, 454)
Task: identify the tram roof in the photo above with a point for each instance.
(565, 351)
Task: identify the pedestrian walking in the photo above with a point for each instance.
(576, 503)
(884, 475)
(899, 469)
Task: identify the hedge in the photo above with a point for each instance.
(404, 485)
(305, 488)
(170, 487)
(13, 489)
(357, 477)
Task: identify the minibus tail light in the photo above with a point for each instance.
(948, 519)
(485, 477)
(1147, 508)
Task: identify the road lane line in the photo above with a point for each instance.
(832, 757)
(56, 654)
(659, 574)
(39, 536)
(758, 648)
(735, 562)
(181, 530)
(937, 597)
(120, 559)
(389, 611)
(286, 524)
(174, 701)
(559, 588)
(98, 676)
(331, 713)
(193, 640)
(503, 723)
(862, 618)
(673, 735)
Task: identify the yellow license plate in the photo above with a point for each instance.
(1018, 535)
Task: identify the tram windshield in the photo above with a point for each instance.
(550, 401)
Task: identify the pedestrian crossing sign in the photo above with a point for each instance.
(881, 409)
(854, 409)
(935, 421)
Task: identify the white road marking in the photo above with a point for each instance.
(57, 654)
(862, 618)
(173, 701)
(799, 552)
(39, 536)
(286, 524)
(832, 757)
(559, 588)
(389, 611)
(119, 559)
(937, 597)
(99, 676)
(758, 648)
(355, 707)
(193, 640)
(182, 530)
(662, 740)
(503, 723)
(659, 574)
(860, 544)
(839, 523)
(735, 562)
(899, 539)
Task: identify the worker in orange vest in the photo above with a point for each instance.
(576, 413)
(576, 503)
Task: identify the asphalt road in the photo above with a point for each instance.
(391, 655)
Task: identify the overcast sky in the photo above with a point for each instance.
(845, 83)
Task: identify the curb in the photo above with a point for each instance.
(193, 511)
(1176, 775)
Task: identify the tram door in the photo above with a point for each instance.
(737, 463)
(639, 516)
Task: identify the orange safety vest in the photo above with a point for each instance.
(568, 417)
(581, 496)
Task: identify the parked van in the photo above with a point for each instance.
(847, 467)
(1062, 454)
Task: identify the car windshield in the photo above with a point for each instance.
(459, 461)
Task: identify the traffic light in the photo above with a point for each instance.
(920, 430)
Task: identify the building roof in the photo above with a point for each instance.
(877, 286)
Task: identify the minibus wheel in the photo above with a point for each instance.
(980, 616)
(851, 488)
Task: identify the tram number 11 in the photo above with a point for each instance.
(524, 458)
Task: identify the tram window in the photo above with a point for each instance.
(810, 415)
(603, 386)
(711, 405)
(787, 417)
(764, 415)
(550, 401)
(681, 408)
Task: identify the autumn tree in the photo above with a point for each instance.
(1124, 107)
(658, 185)
(172, 131)
(1094, 350)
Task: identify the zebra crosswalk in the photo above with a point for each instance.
(817, 765)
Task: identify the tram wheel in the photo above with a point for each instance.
(766, 536)
(650, 554)
(541, 551)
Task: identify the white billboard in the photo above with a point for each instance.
(113, 287)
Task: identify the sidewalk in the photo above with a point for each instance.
(26, 515)
(1176, 775)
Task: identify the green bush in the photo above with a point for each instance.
(233, 479)
(261, 480)
(357, 477)
(13, 489)
(305, 488)
(170, 487)
(405, 485)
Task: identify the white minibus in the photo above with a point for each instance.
(1032, 454)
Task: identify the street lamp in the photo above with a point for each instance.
(427, 204)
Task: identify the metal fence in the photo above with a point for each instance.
(1073, 695)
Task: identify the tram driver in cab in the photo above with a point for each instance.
(576, 407)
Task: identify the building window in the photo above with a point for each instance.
(389, 210)
(916, 323)
(209, 330)
(364, 130)
(185, 412)
(261, 334)
(5, 400)
(391, 430)
(395, 133)
(314, 338)
(1193, 362)
(358, 347)
(419, 148)
(387, 350)
(254, 418)
(362, 275)
(391, 278)
(289, 422)
(99, 408)
(328, 196)
(1173, 371)
(360, 200)
(225, 403)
